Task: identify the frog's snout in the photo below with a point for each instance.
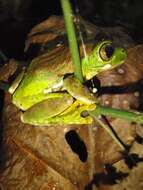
(122, 54)
(124, 51)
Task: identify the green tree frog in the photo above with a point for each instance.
(48, 93)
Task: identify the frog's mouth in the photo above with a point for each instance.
(106, 67)
(109, 66)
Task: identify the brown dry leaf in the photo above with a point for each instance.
(123, 79)
(8, 70)
(134, 180)
(41, 158)
(43, 34)
(41, 152)
(128, 76)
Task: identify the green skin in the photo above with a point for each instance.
(47, 95)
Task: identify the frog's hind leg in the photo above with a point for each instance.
(42, 112)
(72, 115)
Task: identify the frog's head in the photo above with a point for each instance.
(103, 57)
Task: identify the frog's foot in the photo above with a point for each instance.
(40, 113)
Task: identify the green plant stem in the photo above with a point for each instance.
(136, 117)
(68, 17)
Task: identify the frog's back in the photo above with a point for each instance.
(57, 61)
(45, 71)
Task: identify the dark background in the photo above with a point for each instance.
(18, 16)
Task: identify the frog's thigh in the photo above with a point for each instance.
(40, 113)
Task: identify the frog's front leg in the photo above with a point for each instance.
(78, 90)
(42, 112)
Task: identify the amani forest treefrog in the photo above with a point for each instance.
(48, 92)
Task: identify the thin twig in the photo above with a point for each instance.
(111, 133)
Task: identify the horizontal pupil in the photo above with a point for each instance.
(109, 51)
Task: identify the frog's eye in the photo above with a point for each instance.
(106, 51)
